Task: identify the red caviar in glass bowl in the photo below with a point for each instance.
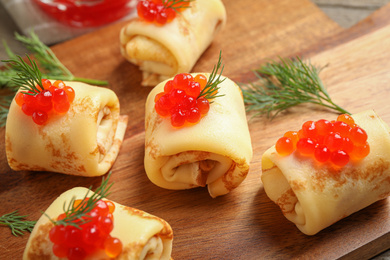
(86, 13)
(335, 142)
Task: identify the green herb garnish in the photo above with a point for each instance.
(52, 68)
(77, 215)
(5, 102)
(285, 84)
(27, 77)
(176, 4)
(17, 223)
(210, 91)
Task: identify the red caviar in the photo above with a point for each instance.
(201, 79)
(309, 129)
(324, 127)
(46, 83)
(111, 206)
(321, 153)
(53, 98)
(92, 236)
(180, 99)
(342, 128)
(346, 119)
(339, 158)
(358, 135)
(19, 98)
(284, 145)
(159, 13)
(306, 145)
(293, 135)
(360, 151)
(113, 247)
(336, 142)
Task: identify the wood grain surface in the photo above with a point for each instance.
(244, 224)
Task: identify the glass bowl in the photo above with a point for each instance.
(87, 13)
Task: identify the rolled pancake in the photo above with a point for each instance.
(314, 196)
(84, 141)
(164, 51)
(143, 236)
(215, 152)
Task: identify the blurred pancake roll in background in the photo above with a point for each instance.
(165, 48)
(338, 168)
(84, 140)
(192, 139)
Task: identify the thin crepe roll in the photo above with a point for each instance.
(84, 141)
(143, 236)
(164, 51)
(314, 196)
(215, 152)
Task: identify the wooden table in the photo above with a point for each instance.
(244, 224)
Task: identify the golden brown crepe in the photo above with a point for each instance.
(143, 236)
(85, 141)
(314, 196)
(215, 152)
(164, 51)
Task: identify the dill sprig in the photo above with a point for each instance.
(27, 77)
(76, 215)
(285, 84)
(176, 5)
(210, 91)
(51, 66)
(5, 102)
(17, 223)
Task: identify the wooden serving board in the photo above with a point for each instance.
(244, 224)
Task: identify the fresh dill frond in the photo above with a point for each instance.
(48, 61)
(282, 85)
(76, 215)
(51, 66)
(6, 80)
(210, 91)
(17, 223)
(5, 102)
(176, 4)
(27, 77)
